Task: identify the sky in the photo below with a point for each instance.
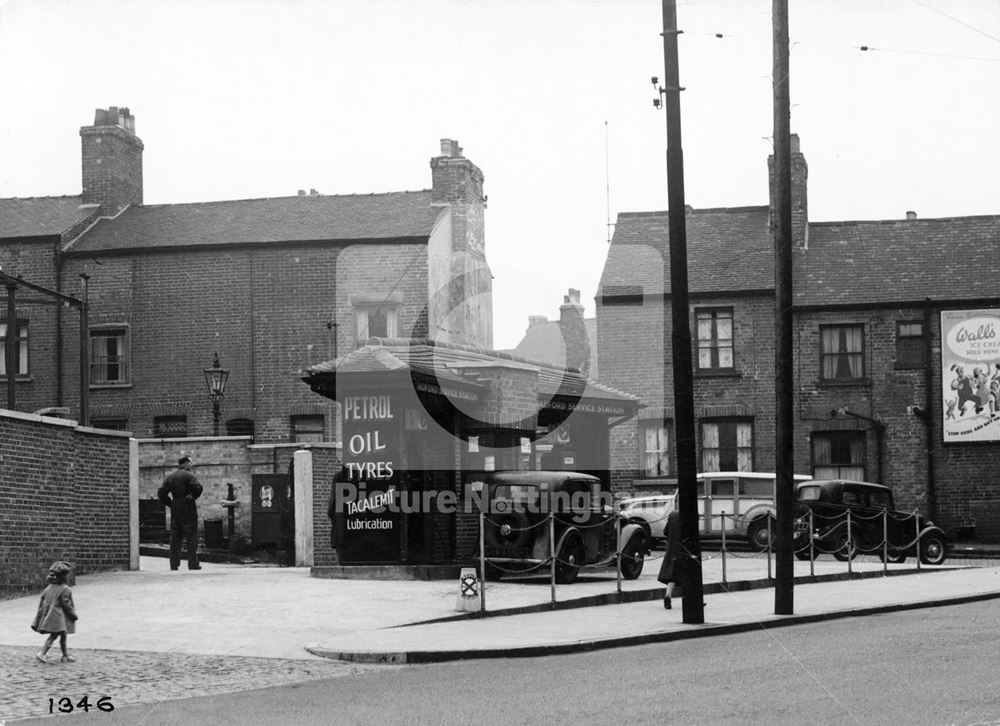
(552, 99)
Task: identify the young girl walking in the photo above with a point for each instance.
(56, 615)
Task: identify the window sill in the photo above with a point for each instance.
(845, 383)
(18, 379)
(904, 367)
(94, 386)
(717, 373)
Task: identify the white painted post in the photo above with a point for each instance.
(303, 493)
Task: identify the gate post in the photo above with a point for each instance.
(303, 496)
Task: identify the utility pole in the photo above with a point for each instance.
(687, 465)
(784, 459)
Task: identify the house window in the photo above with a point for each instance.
(112, 424)
(376, 321)
(108, 356)
(910, 345)
(839, 455)
(239, 427)
(655, 448)
(20, 348)
(842, 352)
(715, 338)
(308, 429)
(727, 446)
(170, 427)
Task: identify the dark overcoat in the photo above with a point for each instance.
(672, 566)
(179, 492)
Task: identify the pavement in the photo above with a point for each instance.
(153, 634)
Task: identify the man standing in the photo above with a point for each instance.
(179, 492)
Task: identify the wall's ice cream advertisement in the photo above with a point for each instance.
(970, 368)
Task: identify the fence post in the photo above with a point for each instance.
(482, 562)
(552, 554)
(769, 535)
(850, 570)
(885, 542)
(812, 546)
(723, 515)
(916, 528)
(618, 548)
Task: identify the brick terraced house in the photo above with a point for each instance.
(270, 285)
(896, 340)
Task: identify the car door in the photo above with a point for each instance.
(719, 498)
(866, 520)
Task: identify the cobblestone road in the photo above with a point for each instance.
(136, 678)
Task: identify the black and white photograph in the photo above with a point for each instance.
(501, 362)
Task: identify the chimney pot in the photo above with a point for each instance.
(302, 192)
(911, 215)
(313, 193)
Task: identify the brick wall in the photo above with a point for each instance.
(265, 310)
(74, 506)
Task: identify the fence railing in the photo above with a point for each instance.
(814, 535)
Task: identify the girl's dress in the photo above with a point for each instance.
(56, 613)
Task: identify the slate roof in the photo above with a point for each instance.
(319, 217)
(40, 216)
(458, 363)
(728, 249)
(863, 262)
(899, 260)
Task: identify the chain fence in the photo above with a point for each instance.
(530, 552)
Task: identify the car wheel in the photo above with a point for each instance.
(757, 534)
(633, 556)
(932, 549)
(569, 559)
(846, 549)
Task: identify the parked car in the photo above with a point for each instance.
(650, 512)
(874, 521)
(587, 531)
(747, 500)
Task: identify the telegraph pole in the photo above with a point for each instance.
(687, 465)
(784, 460)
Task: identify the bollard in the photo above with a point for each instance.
(468, 591)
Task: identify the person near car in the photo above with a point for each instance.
(672, 566)
(179, 492)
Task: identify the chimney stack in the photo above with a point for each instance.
(112, 161)
(574, 331)
(800, 207)
(911, 215)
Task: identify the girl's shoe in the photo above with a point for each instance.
(40, 657)
(68, 659)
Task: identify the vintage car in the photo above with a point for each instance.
(650, 512)
(876, 526)
(587, 531)
(739, 502)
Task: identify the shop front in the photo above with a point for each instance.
(422, 422)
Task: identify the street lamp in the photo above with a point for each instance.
(215, 379)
